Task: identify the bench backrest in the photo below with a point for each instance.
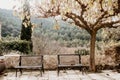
(69, 59)
(31, 60)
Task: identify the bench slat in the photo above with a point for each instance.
(28, 67)
(76, 65)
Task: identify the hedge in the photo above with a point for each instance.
(18, 45)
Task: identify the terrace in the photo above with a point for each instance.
(64, 75)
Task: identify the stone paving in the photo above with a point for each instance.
(64, 75)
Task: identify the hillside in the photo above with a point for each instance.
(11, 26)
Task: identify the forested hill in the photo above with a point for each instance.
(10, 23)
(11, 26)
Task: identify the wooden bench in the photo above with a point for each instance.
(30, 62)
(71, 65)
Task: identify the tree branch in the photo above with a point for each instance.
(81, 4)
(84, 23)
(109, 24)
(101, 5)
(54, 11)
(74, 17)
(99, 19)
(83, 7)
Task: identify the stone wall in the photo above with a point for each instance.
(50, 61)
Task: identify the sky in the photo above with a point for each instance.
(7, 4)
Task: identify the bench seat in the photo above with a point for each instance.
(76, 65)
(39, 66)
(28, 67)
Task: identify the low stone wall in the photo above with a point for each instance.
(11, 60)
(50, 61)
(2, 64)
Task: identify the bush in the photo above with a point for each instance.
(43, 45)
(114, 52)
(18, 45)
(82, 52)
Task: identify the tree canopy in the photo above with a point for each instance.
(90, 15)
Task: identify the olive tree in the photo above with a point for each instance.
(91, 15)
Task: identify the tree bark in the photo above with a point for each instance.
(92, 51)
(0, 30)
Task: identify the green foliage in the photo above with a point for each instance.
(26, 32)
(10, 23)
(18, 45)
(9, 38)
(68, 35)
(82, 52)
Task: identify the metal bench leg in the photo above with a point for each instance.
(16, 72)
(58, 71)
(83, 70)
(41, 72)
(80, 69)
(20, 71)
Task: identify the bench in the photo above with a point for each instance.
(74, 62)
(30, 62)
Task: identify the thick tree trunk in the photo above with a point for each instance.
(0, 31)
(92, 51)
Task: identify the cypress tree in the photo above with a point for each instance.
(26, 31)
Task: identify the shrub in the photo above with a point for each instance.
(18, 45)
(82, 52)
(114, 52)
(43, 45)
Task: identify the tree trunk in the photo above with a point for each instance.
(92, 51)
(0, 31)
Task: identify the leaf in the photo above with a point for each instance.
(110, 2)
(32, 28)
(34, 25)
(15, 13)
(111, 12)
(24, 24)
(67, 9)
(56, 26)
(52, 1)
(28, 17)
(22, 16)
(28, 23)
